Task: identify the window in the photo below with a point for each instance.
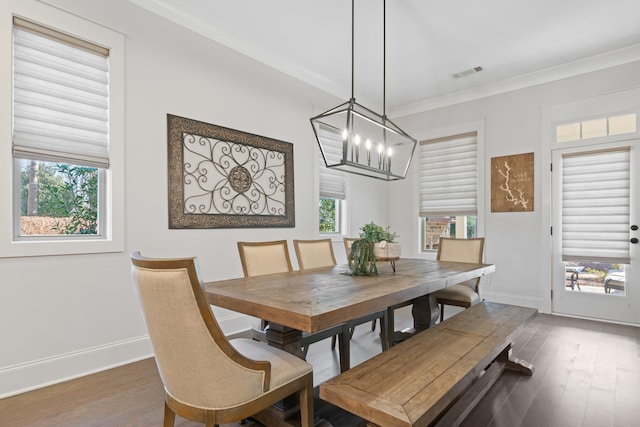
(332, 199)
(448, 188)
(60, 131)
(596, 128)
(66, 180)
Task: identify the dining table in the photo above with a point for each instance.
(308, 301)
(318, 299)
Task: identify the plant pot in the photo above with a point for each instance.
(386, 250)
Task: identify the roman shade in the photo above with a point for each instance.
(332, 181)
(61, 97)
(449, 176)
(595, 206)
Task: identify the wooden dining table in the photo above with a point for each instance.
(319, 299)
(323, 298)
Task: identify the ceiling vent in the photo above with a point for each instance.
(466, 72)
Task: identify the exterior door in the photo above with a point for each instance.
(595, 219)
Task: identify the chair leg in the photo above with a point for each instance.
(333, 342)
(169, 416)
(305, 396)
(373, 325)
(384, 330)
(441, 312)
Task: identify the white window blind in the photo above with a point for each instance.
(595, 206)
(449, 176)
(61, 97)
(332, 181)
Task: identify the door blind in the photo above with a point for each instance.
(595, 206)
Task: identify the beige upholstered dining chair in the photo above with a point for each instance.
(319, 253)
(314, 253)
(463, 294)
(348, 241)
(260, 258)
(207, 378)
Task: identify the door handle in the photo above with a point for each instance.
(634, 227)
(634, 240)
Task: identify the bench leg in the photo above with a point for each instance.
(513, 363)
(459, 411)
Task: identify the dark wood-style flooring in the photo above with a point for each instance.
(587, 374)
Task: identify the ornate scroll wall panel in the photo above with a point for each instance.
(225, 178)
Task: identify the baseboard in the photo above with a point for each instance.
(36, 374)
(519, 300)
(41, 373)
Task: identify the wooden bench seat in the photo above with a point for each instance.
(437, 376)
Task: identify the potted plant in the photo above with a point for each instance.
(362, 259)
(385, 244)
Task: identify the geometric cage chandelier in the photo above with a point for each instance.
(355, 139)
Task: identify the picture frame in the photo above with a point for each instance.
(512, 183)
(225, 178)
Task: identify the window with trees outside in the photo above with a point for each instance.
(332, 199)
(60, 133)
(448, 186)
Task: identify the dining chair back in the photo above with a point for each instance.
(314, 253)
(348, 241)
(260, 258)
(208, 378)
(467, 293)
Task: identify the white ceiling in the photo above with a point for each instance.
(518, 43)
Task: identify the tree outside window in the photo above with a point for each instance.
(58, 199)
(329, 214)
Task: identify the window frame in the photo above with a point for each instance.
(340, 218)
(437, 133)
(339, 195)
(111, 238)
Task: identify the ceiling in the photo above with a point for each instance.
(517, 43)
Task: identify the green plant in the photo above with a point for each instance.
(376, 233)
(362, 260)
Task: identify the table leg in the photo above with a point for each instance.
(285, 338)
(425, 312)
(289, 340)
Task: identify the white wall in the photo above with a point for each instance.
(517, 243)
(65, 316)
(69, 315)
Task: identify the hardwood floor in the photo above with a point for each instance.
(587, 374)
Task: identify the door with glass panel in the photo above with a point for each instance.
(595, 218)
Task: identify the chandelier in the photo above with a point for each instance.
(355, 139)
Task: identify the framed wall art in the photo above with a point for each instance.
(512, 183)
(226, 178)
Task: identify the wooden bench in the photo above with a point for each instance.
(437, 376)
